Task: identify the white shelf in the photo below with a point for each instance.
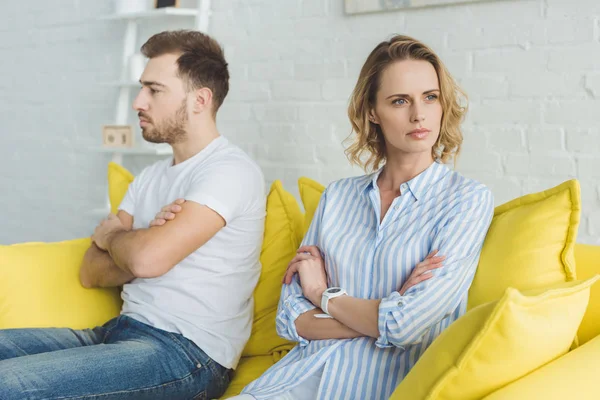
(134, 150)
(160, 12)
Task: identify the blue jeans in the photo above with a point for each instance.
(123, 359)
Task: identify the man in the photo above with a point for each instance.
(187, 281)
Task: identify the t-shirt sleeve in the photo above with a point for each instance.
(129, 201)
(229, 188)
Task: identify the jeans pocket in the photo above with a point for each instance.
(193, 353)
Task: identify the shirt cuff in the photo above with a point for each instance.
(386, 308)
(294, 307)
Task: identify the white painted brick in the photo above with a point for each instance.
(561, 9)
(583, 140)
(572, 112)
(542, 84)
(506, 139)
(287, 153)
(592, 84)
(325, 112)
(315, 8)
(543, 139)
(504, 189)
(248, 90)
(589, 166)
(562, 167)
(274, 133)
(590, 200)
(510, 61)
(234, 111)
(338, 89)
(594, 227)
(570, 30)
(580, 57)
(505, 111)
(296, 90)
(271, 70)
(489, 86)
(274, 112)
(319, 70)
(478, 160)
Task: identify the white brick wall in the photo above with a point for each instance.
(531, 69)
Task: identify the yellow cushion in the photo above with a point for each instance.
(118, 182)
(282, 223)
(248, 370)
(529, 244)
(310, 194)
(572, 376)
(39, 287)
(588, 264)
(498, 342)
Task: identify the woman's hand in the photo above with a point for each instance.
(167, 213)
(422, 271)
(310, 267)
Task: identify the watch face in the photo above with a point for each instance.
(334, 290)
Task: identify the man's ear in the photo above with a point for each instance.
(202, 100)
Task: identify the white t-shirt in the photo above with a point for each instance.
(207, 297)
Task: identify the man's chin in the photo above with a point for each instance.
(151, 137)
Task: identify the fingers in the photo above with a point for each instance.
(300, 257)
(312, 250)
(430, 255)
(289, 273)
(414, 281)
(157, 222)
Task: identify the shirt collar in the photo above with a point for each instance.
(417, 186)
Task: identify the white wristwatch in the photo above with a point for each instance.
(329, 294)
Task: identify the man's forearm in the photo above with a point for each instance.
(312, 328)
(99, 270)
(127, 247)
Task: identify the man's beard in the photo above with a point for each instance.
(170, 131)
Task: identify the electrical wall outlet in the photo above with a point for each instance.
(117, 136)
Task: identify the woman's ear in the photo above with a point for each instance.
(202, 100)
(373, 117)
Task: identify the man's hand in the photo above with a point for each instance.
(104, 231)
(422, 271)
(167, 213)
(310, 267)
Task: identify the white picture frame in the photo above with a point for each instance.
(369, 6)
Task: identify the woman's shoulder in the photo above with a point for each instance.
(349, 184)
(462, 186)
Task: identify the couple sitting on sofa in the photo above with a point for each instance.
(384, 268)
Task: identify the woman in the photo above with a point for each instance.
(373, 236)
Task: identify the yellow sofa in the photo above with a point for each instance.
(39, 285)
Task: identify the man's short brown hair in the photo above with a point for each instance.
(201, 63)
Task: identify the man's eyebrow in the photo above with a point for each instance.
(406, 95)
(151, 83)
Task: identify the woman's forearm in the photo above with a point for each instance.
(312, 328)
(360, 315)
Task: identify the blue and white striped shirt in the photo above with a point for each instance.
(438, 209)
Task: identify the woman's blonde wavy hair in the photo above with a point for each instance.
(367, 138)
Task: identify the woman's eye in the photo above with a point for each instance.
(431, 97)
(400, 102)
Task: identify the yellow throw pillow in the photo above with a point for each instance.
(282, 223)
(497, 343)
(119, 179)
(529, 244)
(39, 287)
(588, 265)
(310, 194)
(572, 376)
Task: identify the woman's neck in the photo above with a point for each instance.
(398, 170)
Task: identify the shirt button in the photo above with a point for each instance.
(403, 186)
(396, 207)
